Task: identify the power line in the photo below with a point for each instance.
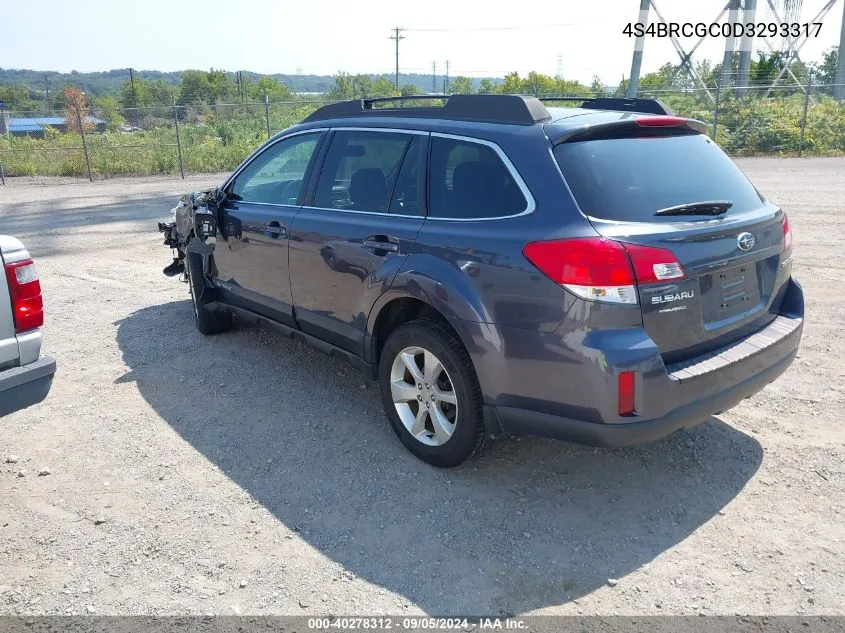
(506, 28)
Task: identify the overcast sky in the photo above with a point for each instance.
(324, 36)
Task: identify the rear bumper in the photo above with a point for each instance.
(629, 434)
(573, 397)
(21, 387)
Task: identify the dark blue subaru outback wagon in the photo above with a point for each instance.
(603, 274)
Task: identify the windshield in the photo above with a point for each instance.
(628, 179)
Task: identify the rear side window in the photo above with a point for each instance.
(361, 169)
(468, 180)
(628, 179)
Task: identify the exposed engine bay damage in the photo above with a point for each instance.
(192, 228)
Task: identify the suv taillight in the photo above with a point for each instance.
(787, 234)
(599, 269)
(25, 292)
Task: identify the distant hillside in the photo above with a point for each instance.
(109, 82)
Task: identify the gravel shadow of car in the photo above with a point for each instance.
(533, 523)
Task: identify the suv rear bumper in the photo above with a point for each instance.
(692, 391)
(21, 387)
(618, 435)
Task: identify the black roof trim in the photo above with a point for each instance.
(644, 106)
(513, 109)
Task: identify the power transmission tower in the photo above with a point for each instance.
(434, 77)
(446, 79)
(559, 72)
(730, 44)
(637, 59)
(397, 35)
(749, 15)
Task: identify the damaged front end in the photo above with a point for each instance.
(195, 216)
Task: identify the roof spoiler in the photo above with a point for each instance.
(643, 106)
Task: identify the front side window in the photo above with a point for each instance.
(363, 169)
(468, 180)
(275, 175)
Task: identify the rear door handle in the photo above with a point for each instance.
(382, 243)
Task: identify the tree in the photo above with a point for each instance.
(195, 87)
(16, 98)
(825, 71)
(461, 86)
(597, 87)
(766, 67)
(76, 111)
(660, 79)
(360, 86)
(410, 90)
(382, 87)
(108, 108)
(159, 94)
(222, 85)
(270, 88)
(134, 94)
(209, 87)
(539, 84)
(487, 86)
(511, 85)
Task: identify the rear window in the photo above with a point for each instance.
(628, 179)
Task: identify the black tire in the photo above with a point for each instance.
(207, 321)
(467, 438)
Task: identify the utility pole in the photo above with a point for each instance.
(132, 83)
(397, 35)
(46, 93)
(839, 88)
(446, 80)
(639, 44)
(433, 77)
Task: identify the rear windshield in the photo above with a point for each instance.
(628, 179)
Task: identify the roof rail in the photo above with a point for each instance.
(513, 109)
(644, 106)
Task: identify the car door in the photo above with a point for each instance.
(357, 227)
(251, 256)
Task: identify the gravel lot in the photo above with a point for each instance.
(247, 473)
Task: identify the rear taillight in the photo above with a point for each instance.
(599, 269)
(591, 267)
(626, 393)
(654, 264)
(787, 234)
(25, 292)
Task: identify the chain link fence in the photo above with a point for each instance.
(166, 140)
(179, 140)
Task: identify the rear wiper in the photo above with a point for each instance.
(707, 207)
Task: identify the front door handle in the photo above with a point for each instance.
(382, 243)
(275, 230)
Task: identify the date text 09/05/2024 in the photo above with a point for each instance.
(724, 29)
(411, 623)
